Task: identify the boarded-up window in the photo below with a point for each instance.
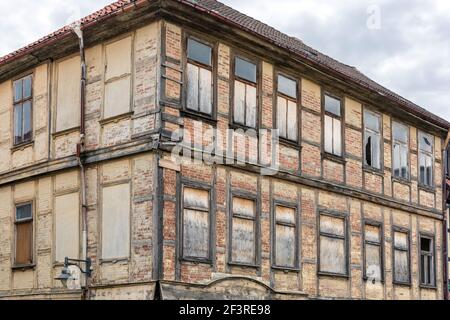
(67, 225)
(333, 126)
(426, 150)
(23, 112)
(199, 77)
(196, 223)
(118, 78)
(372, 140)
(333, 246)
(373, 267)
(401, 150)
(286, 237)
(427, 269)
(116, 221)
(401, 257)
(68, 94)
(243, 231)
(287, 108)
(245, 98)
(24, 234)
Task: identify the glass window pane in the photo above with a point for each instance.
(287, 86)
(332, 255)
(337, 137)
(425, 244)
(250, 104)
(422, 162)
(239, 102)
(27, 118)
(333, 105)
(17, 90)
(199, 52)
(404, 162)
(192, 87)
(27, 87)
(376, 155)
(371, 121)
(400, 132)
(292, 129)
(425, 142)
(23, 212)
(18, 124)
(205, 91)
(196, 234)
(245, 70)
(285, 246)
(429, 171)
(328, 135)
(281, 116)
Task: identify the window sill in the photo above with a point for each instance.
(286, 269)
(334, 158)
(236, 126)
(401, 180)
(114, 261)
(198, 116)
(242, 264)
(197, 260)
(427, 188)
(334, 275)
(366, 279)
(403, 284)
(117, 118)
(65, 131)
(22, 146)
(23, 267)
(430, 287)
(373, 170)
(290, 143)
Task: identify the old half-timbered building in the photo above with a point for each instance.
(191, 151)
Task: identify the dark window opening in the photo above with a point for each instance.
(427, 276)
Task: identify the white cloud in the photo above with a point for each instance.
(410, 53)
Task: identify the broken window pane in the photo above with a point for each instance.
(333, 105)
(245, 70)
(287, 86)
(199, 52)
(372, 140)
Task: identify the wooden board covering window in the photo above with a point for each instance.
(24, 235)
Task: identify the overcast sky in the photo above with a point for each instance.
(402, 44)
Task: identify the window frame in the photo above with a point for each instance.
(21, 102)
(297, 102)
(379, 225)
(432, 253)
(214, 79)
(199, 186)
(296, 226)
(426, 153)
(16, 265)
(408, 250)
(381, 137)
(408, 153)
(233, 78)
(345, 218)
(341, 98)
(256, 225)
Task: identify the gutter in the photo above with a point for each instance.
(445, 226)
(76, 28)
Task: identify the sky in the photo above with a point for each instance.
(401, 44)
